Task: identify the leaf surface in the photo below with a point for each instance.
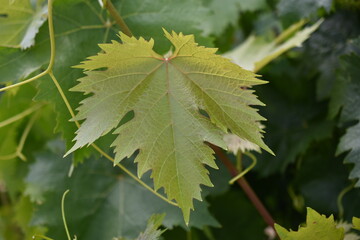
(166, 95)
(317, 227)
(20, 22)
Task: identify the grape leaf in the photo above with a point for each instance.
(317, 227)
(166, 94)
(99, 196)
(20, 22)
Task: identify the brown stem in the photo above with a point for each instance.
(245, 186)
(112, 10)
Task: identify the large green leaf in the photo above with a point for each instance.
(317, 227)
(20, 21)
(166, 95)
(102, 203)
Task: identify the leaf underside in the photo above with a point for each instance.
(166, 95)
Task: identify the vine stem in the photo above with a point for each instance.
(241, 174)
(41, 237)
(118, 19)
(340, 198)
(246, 187)
(63, 214)
(24, 137)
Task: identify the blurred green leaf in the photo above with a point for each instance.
(256, 52)
(347, 95)
(20, 21)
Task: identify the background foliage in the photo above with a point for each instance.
(312, 114)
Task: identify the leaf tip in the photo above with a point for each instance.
(166, 33)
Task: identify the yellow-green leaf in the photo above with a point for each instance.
(317, 227)
(20, 21)
(168, 95)
(356, 223)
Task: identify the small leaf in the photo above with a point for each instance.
(256, 52)
(167, 95)
(356, 223)
(317, 227)
(20, 22)
(151, 232)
